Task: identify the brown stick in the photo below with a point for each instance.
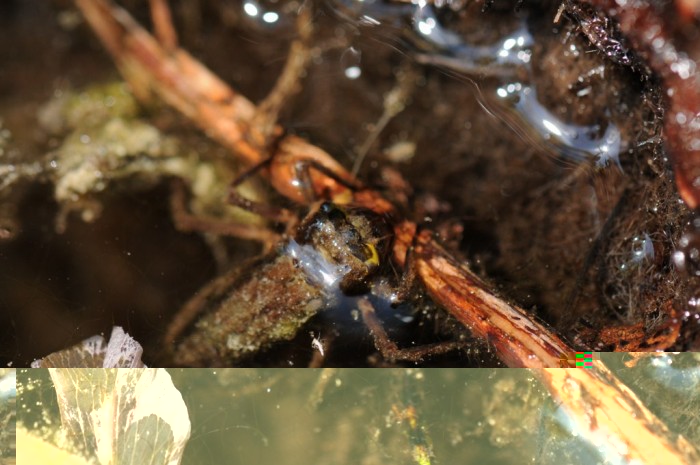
(187, 85)
(289, 81)
(163, 24)
(519, 339)
(606, 411)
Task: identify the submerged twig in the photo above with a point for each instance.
(289, 81)
(606, 411)
(519, 339)
(394, 103)
(163, 24)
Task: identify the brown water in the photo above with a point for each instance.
(347, 416)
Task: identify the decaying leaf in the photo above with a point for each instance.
(122, 417)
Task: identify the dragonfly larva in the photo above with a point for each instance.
(336, 251)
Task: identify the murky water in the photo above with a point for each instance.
(364, 416)
(8, 415)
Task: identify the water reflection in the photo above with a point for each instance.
(360, 416)
(449, 49)
(261, 14)
(7, 416)
(515, 98)
(668, 384)
(509, 59)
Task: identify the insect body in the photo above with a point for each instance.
(336, 251)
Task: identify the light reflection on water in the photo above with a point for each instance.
(514, 99)
(7, 415)
(531, 119)
(358, 416)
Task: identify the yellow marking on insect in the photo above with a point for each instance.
(343, 198)
(373, 259)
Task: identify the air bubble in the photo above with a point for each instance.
(263, 15)
(251, 8)
(642, 248)
(350, 61)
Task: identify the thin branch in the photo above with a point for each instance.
(608, 412)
